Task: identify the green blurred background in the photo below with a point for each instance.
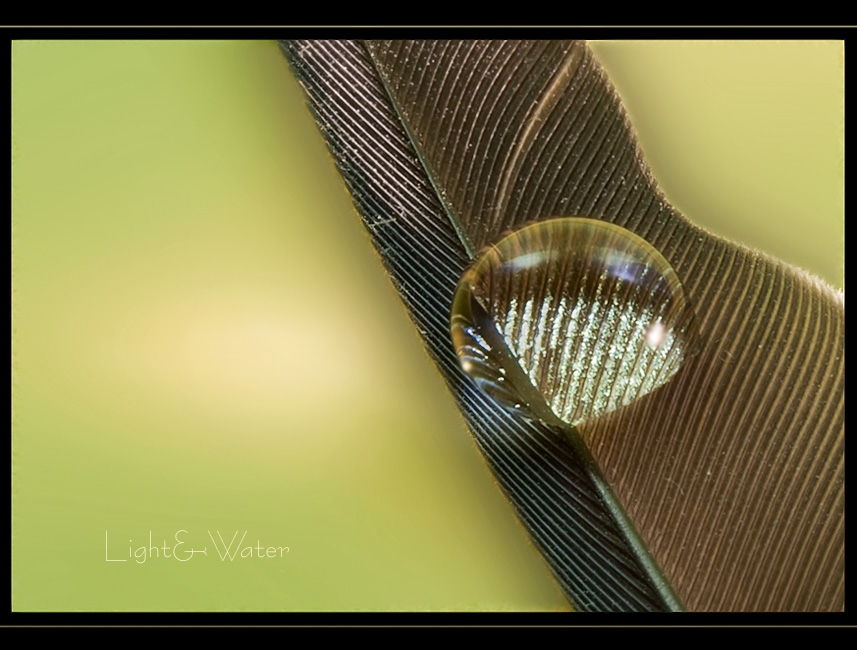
(204, 339)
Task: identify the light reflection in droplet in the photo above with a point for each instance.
(570, 319)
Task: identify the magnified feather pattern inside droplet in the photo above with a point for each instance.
(571, 318)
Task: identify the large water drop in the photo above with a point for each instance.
(570, 319)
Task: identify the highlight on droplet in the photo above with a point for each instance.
(570, 319)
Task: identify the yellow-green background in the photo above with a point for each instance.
(204, 339)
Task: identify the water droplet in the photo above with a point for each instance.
(571, 318)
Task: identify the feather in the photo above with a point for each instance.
(720, 490)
